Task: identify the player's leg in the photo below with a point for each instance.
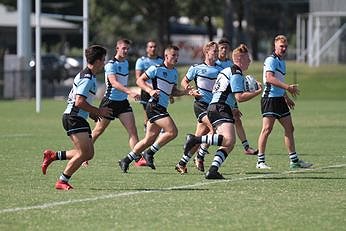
(227, 131)
(295, 162)
(267, 127)
(128, 121)
(83, 149)
(99, 128)
(151, 134)
(242, 137)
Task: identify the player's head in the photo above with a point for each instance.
(280, 45)
(241, 57)
(151, 48)
(95, 55)
(224, 48)
(210, 51)
(95, 52)
(122, 48)
(171, 55)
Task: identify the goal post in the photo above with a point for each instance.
(321, 38)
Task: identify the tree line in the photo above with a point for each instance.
(254, 22)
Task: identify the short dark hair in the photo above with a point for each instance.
(94, 52)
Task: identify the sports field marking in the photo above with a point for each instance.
(113, 195)
(15, 135)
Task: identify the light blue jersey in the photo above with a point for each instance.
(144, 62)
(204, 77)
(229, 81)
(163, 79)
(84, 84)
(121, 70)
(278, 66)
(225, 63)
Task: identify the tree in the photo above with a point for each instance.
(137, 20)
(202, 12)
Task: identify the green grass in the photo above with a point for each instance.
(106, 199)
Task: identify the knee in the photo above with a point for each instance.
(173, 133)
(266, 131)
(228, 142)
(88, 154)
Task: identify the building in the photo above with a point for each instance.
(52, 31)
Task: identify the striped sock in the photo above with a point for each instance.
(61, 155)
(202, 151)
(184, 160)
(261, 158)
(245, 144)
(131, 157)
(64, 177)
(213, 139)
(293, 157)
(219, 158)
(153, 149)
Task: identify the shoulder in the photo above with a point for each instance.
(86, 74)
(235, 70)
(141, 59)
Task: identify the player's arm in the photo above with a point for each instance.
(95, 112)
(180, 92)
(185, 84)
(291, 88)
(246, 95)
(117, 85)
(142, 83)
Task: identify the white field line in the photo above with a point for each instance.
(114, 195)
(15, 135)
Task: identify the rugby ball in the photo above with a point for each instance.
(250, 83)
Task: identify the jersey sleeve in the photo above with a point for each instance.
(110, 69)
(237, 83)
(269, 64)
(191, 73)
(139, 65)
(83, 87)
(151, 72)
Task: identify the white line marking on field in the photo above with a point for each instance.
(113, 195)
(15, 135)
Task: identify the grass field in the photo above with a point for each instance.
(249, 199)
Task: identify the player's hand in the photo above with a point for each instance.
(102, 112)
(135, 95)
(195, 93)
(293, 89)
(94, 117)
(290, 103)
(236, 113)
(171, 99)
(154, 93)
(259, 84)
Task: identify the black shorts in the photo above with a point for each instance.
(200, 109)
(155, 111)
(274, 107)
(118, 107)
(75, 124)
(144, 98)
(219, 113)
